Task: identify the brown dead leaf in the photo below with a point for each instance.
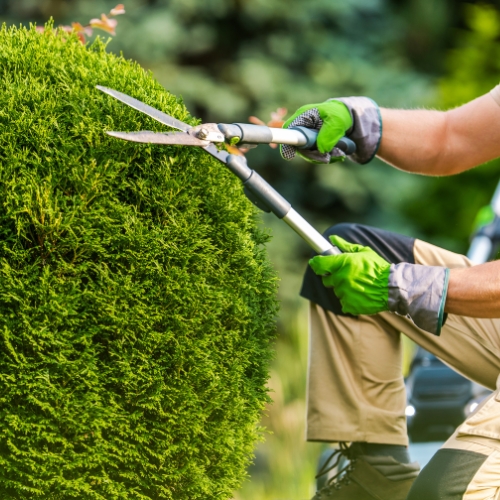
(118, 10)
(105, 24)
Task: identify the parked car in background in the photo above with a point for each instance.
(439, 398)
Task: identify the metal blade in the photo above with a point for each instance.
(148, 137)
(178, 138)
(158, 115)
(221, 154)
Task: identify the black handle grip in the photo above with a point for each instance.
(346, 145)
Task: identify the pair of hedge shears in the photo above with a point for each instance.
(243, 134)
(207, 135)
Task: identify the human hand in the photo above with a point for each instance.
(359, 277)
(332, 119)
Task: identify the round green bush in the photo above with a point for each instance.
(137, 303)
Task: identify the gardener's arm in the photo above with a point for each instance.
(419, 141)
(441, 143)
(367, 284)
(475, 291)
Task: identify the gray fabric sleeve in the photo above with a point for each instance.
(366, 130)
(419, 292)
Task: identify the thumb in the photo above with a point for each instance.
(336, 120)
(345, 246)
(329, 135)
(326, 264)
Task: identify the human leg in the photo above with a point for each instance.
(467, 467)
(352, 395)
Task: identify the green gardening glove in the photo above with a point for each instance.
(485, 216)
(332, 119)
(359, 277)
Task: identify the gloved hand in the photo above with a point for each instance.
(358, 118)
(484, 216)
(332, 119)
(359, 277)
(365, 283)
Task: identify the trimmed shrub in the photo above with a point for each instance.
(136, 300)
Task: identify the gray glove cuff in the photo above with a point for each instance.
(419, 292)
(366, 130)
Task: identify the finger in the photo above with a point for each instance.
(329, 135)
(327, 281)
(347, 310)
(336, 159)
(344, 245)
(314, 156)
(328, 264)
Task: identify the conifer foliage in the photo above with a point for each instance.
(137, 303)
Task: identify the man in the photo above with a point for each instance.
(384, 284)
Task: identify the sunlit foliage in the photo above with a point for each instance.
(137, 304)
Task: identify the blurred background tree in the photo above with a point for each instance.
(233, 58)
(446, 208)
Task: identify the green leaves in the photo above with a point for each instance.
(136, 302)
(473, 68)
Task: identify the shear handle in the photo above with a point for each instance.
(300, 137)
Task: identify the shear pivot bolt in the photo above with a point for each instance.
(203, 133)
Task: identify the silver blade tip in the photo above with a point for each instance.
(118, 135)
(106, 90)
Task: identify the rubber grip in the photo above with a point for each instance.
(346, 145)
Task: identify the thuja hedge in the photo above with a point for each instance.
(136, 299)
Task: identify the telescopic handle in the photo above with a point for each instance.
(300, 137)
(268, 199)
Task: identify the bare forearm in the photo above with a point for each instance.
(412, 139)
(441, 143)
(475, 291)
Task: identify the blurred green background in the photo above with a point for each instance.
(230, 59)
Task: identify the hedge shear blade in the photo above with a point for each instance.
(158, 115)
(145, 136)
(176, 138)
(185, 138)
(200, 135)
